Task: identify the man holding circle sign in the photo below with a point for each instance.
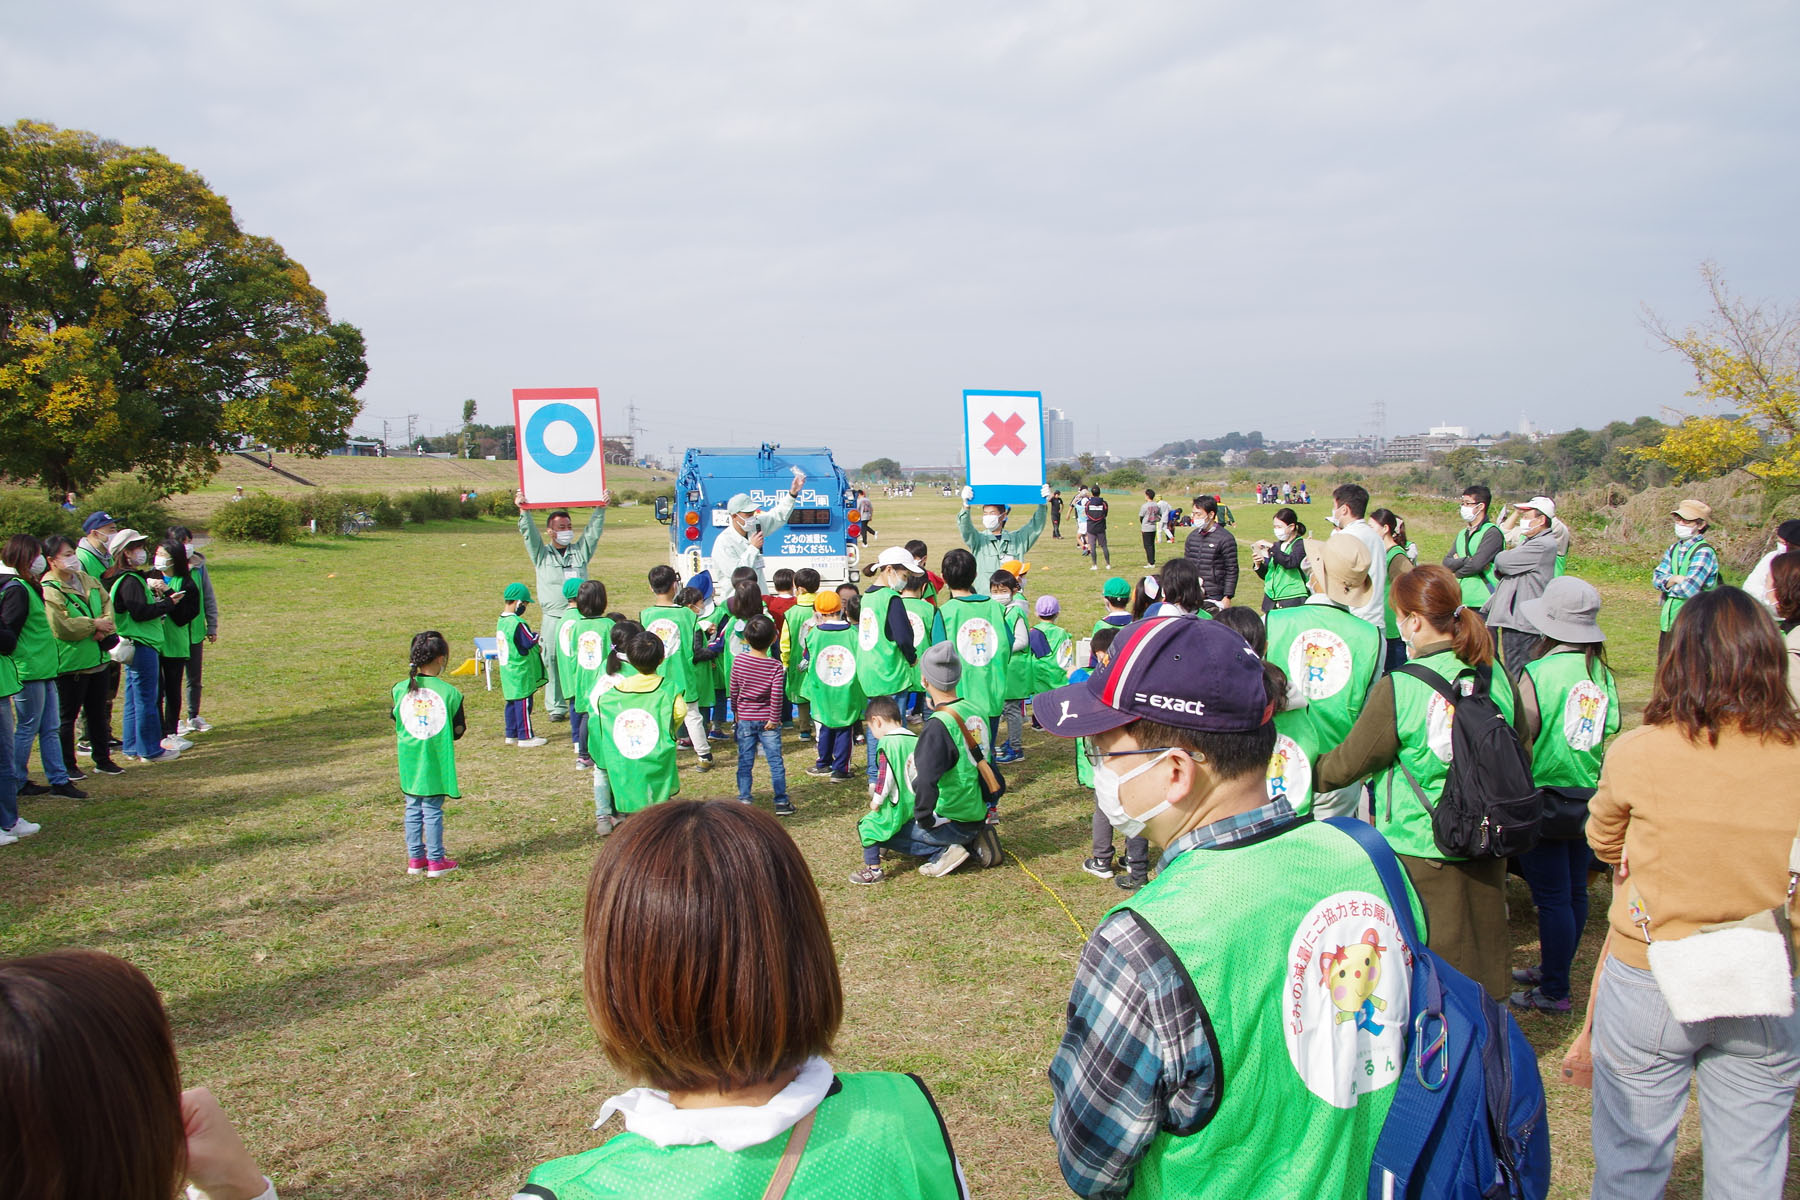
(556, 559)
(740, 544)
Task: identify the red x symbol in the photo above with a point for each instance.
(1006, 433)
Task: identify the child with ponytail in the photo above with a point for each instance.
(428, 718)
(612, 670)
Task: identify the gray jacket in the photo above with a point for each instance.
(1524, 572)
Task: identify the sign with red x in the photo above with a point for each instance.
(1005, 445)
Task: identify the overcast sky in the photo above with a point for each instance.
(818, 222)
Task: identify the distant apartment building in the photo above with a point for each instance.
(1059, 436)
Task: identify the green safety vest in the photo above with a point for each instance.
(85, 654)
(1332, 657)
(36, 655)
(959, 791)
(637, 739)
(1052, 670)
(582, 644)
(675, 625)
(976, 626)
(1291, 948)
(795, 623)
(144, 633)
(1423, 720)
(425, 736)
(1107, 622)
(92, 563)
(520, 674)
(874, 1134)
(1477, 590)
(1682, 563)
(896, 749)
(1576, 713)
(1284, 583)
(1021, 668)
(881, 670)
(921, 614)
(197, 626)
(178, 639)
(732, 646)
(709, 676)
(1391, 629)
(831, 673)
(1297, 750)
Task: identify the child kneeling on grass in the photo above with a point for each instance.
(710, 977)
(758, 699)
(936, 810)
(638, 717)
(428, 718)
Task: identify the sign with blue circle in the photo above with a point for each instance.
(562, 453)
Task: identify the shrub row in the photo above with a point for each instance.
(133, 504)
(272, 519)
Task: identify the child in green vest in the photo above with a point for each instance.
(1007, 590)
(709, 662)
(614, 667)
(1052, 652)
(638, 717)
(521, 665)
(1117, 595)
(829, 666)
(977, 630)
(674, 622)
(428, 720)
(679, 910)
(891, 795)
(582, 643)
(1137, 849)
(921, 614)
(795, 623)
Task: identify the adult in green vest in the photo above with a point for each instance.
(1471, 557)
(887, 646)
(679, 912)
(81, 617)
(96, 531)
(1688, 567)
(583, 641)
(26, 638)
(428, 722)
(139, 605)
(1290, 990)
(1401, 557)
(1568, 705)
(994, 543)
(1402, 742)
(521, 665)
(563, 556)
(201, 630)
(975, 627)
(171, 563)
(1281, 562)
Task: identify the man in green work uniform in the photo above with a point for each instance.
(561, 557)
(994, 543)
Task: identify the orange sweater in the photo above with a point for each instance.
(1705, 830)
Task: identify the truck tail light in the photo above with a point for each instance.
(693, 518)
(855, 530)
(693, 533)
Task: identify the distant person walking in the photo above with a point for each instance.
(1150, 516)
(740, 543)
(562, 557)
(1056, 507)
(865, 515)
(1097, 509)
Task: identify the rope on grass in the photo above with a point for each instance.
(1053, 895)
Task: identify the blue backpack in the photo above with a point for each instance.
(1468, 1118)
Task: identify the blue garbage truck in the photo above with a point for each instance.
(822, 533)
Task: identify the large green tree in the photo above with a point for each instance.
(141, 329)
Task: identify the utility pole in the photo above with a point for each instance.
(412, 429)
(384, 431)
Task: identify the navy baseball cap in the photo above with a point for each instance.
(1178, 671)
(96, 520)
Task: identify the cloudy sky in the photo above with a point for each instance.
(819, 221)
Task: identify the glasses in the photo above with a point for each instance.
(1094, 756)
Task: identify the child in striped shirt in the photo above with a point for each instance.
(758, 700)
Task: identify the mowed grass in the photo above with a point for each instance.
(377, 1035)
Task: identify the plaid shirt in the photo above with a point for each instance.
(1702, 568)
(1134, 1059)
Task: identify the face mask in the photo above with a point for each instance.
(1107, 783)
(1685, 531)
(1337, 522)
(37, 565)
(1468, 512)
(1280, 531)
(990, 521)
(139, 557)
(187, 548)
(70, 564)
(565, 536)
(164, 565)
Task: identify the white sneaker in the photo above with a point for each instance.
(177, 743)
(7, 839)
(512, 741)
(22, 828)
(527, 743)
(166, 756)
(183, 727)
(199, 725)
(952, 858)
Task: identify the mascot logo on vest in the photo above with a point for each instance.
(1345, 1004)
(423, 714)
(976, 643)
(634, 732)
(868, 629)
(1440, 720)
(837, 666)
(918, 628)
(590, 651)
(1584, 715)
(669, 632)
(1065, 656)
(1320, 661)
(1290, 771)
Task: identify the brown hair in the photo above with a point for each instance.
(1784, 573)
(90, 1089)
(1726, 665)
(709, 962)
(1432, 593)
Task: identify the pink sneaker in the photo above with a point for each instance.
(442, 866)
(416, 866)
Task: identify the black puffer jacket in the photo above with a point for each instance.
(1214, 554)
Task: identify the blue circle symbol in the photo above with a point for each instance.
(540, 423)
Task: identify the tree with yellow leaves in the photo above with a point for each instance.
(1746, 362)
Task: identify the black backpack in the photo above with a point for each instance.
(1490, 808)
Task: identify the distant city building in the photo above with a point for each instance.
(1059, 436)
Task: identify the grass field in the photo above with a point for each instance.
(380, 1036)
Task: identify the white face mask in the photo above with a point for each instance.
(139, 557)
(1337, 522)
(990, 521)
(187, 548)
(164, 565)
(565, 536)
(1468, 512)
(70, 564)
(38, 564)
(1685, 531)
(1107, 783)
(1280, 531)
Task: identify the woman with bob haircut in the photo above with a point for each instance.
(710, 977)
(1698, 809)
(90, 1091)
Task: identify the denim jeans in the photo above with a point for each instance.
(9, 783)
(40, 720)
(1014, 714)
(1644, 1059)
(750, 735)
(425, 828)
(1556, 871)
(916, 841)
(141, 729)
(834, 748)
(578, 722)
